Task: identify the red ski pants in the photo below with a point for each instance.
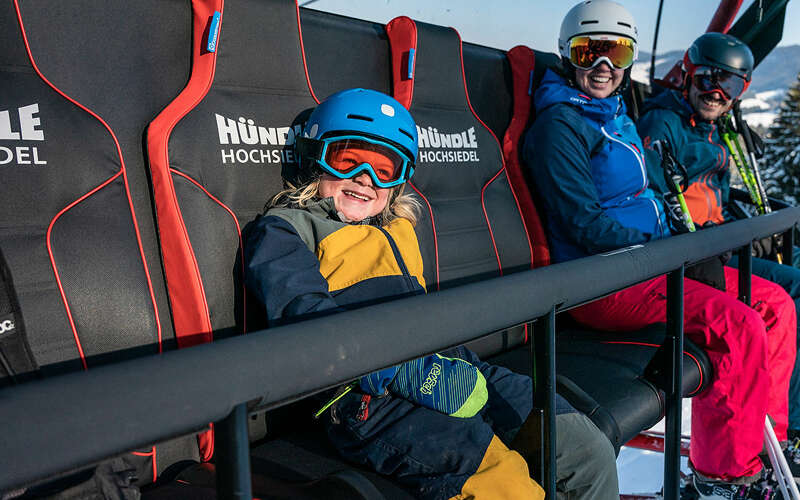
(752, 351)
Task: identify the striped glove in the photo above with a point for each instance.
(448, 385)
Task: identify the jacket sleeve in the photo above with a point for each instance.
(557, 155)
(282, 272)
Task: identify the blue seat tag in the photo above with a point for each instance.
(530, 84)
(213, 32)
(411, 63)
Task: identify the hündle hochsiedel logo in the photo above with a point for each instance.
(270, 142)
(441, 147)
(26, 128)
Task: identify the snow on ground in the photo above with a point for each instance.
(642, 471)
(763, 120)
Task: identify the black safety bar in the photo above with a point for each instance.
(71, 421)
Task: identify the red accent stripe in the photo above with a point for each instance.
(523, 61)
(151, 453)
(402, 33)
(696, 361)
(653, 442)
(724, 158)
(189, 306)
(238, 232)
(155, 464)
(127, 194)
(190, 310)
(433, 227)
(303, 53)
(488, 223)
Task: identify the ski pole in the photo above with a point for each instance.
(744, 129)
(677, 178)
(741, 124)
(729, 137)
(779, 465)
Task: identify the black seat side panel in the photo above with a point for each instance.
(69, 228)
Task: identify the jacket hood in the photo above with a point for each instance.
(554, 89)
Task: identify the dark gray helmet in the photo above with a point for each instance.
(718, 50)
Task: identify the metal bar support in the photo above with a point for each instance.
(787, 250)
(233, 456)
(543, 357)
(745, 254)
(672, 402)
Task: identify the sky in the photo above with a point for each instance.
(505, 23)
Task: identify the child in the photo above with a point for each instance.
(341, 235)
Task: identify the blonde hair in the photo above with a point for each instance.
(400, 205)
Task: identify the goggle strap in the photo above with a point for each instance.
(306, 147)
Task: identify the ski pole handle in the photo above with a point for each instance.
(687, 216)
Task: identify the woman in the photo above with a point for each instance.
(589, 166)
(342, 235)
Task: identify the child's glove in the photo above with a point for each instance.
(449, 385)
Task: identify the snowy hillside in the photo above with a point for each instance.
(771, 79)
(761, 109)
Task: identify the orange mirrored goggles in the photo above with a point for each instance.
(588, 51)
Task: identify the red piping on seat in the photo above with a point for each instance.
(696, 361)
(489, 224)
(127, 194)
(303, 53)
(238, 231)
(55, 268)
(151, 453)
(433, 227)
(502, 160)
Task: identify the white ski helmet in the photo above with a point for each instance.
(596, 16)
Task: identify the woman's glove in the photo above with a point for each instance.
(448, 385)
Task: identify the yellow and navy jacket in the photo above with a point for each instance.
(300, 262)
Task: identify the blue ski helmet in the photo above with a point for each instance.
(357, 113)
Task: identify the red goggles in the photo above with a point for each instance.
(707, 79)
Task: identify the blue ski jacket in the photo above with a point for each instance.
(698, 146)
(587, 166)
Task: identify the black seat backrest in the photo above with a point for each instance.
(77, 233)
(125, 72)
(216, 154)
(67, 232)
(471, 226)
